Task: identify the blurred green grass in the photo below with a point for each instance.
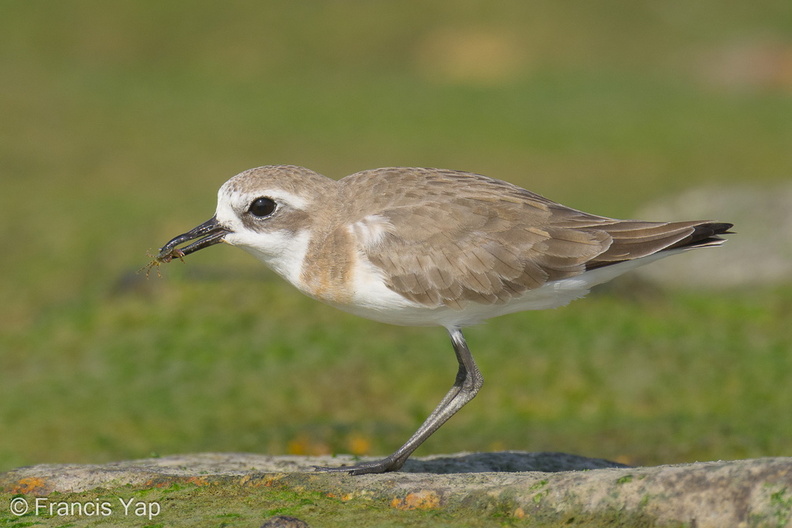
(119, 123)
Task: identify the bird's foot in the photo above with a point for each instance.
(377, 466)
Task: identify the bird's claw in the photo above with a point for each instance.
(377, 466)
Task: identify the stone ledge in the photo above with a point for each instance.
(754, 492)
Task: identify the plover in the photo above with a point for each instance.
(428, 247)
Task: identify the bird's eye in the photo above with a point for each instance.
(262, 207)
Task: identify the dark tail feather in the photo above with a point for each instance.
(704, 235)
(632, 240)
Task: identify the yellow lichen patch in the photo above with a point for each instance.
(198, 481)
(343, 497)
(32, 486)
(419, 500)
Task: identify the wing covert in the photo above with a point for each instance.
(476, 251)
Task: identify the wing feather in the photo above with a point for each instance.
(453, 238)
(458, 256)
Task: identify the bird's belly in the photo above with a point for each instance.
(390, 307)
(370, 297)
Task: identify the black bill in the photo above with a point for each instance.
(207, 234)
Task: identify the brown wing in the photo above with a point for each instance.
(458, 237)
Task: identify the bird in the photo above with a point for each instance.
(428, 247)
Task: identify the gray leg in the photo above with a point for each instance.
(467, 384)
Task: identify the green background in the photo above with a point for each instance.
(120, 121)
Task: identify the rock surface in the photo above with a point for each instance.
(525, 485)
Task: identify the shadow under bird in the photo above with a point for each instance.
(426, 247)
